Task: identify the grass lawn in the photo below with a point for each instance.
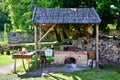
(109, 73)
(5, 60)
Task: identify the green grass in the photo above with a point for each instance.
(93, 74)
(5, 60)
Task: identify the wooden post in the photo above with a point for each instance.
(40, 46)
(97, 53)
(40, 37)
(36, 45)
(15, 66)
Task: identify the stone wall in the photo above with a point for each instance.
(18, 37)
(114, 32)
(80, 57)
(109, 49)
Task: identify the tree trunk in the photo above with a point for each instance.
(57, 35)
(64, 30)
(1, 51)
(64, 34)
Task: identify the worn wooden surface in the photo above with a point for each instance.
(23, 56)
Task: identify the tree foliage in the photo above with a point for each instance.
(3, 19)
(109, 11)
(18, 13)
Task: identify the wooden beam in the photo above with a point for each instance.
(97, 40)
(22, 57)
(36, 44)
(40, 45)
(47, 33)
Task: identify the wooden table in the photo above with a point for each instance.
(27, 56)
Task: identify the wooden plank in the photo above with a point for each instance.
(23, 56)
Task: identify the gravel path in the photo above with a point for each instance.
(8, 68)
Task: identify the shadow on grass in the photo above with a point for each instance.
(27, 76)
(39, 74)
(43, 74)
(55, 77)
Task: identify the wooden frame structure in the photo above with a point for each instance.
(44, 16)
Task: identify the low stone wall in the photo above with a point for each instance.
(114, 32)
(18, 37)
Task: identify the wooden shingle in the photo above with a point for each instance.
(66, 15)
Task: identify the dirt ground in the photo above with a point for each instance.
(8, 68)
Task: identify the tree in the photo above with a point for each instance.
(57, 35)
(109, 11)
(71, 3)
(20, 13)
(3, 19)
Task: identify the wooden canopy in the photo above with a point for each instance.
(52, 16)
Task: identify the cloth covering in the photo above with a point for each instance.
(48, 52)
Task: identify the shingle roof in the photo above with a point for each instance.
(66, 15)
